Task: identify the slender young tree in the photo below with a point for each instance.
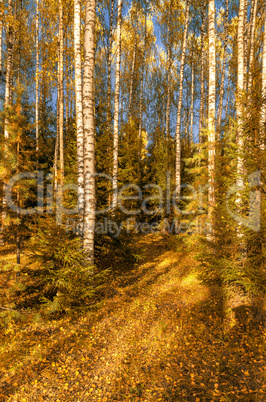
(192, 95)
(221, 94)
(168, 78)
(79, 109)
(211, 112)
(240, 89)
(116, 106)
(89, 129)
(263, 109)
(61, 92)
(202, 37)
(179, 106)
(109, 66)
(142, 84)
(10, 40)
(1, 32)
(252, 45)
(37, 77)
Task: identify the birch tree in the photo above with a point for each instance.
(263, 109)
(37, 77)
(168, 78)
(79, 109)
(221, 95)
(89, 129)
(202, 37)
(61, 92)
(252, 45)
(116, 106)
(211, 111)
(179, 106)
(240, 89)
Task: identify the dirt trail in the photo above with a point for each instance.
(150, 342)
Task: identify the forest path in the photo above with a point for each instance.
(157, 339)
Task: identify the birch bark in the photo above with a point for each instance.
(116, 106)
(211, 113)
(179, 106)
(79, 109)
(89, 129)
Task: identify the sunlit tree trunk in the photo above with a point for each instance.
(192, 99)
(116, 106)
(179, 107)
(9, 38)
(263, 109)
(142, 88)
(61, 93)
(132, 74)
(109, 65)
(221, 95)
(1, 32)
(79, 109)
(202, 93)
(252, 45)
(169, 62)
(211, 113)
(240, 89)
(37, 78)
(89, 129)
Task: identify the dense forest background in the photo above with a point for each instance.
(123, 122)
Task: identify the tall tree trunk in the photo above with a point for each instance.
(89, 129)
(109, 65)
(37, 78)
(10, 48)
(202, 97)
(179, 107)
(221, 96)
(263, 109)
(252, 46)
(1, 32)
(61, 93)
(169, 63)
(142, 88)
(79, 109)
(116, 106)
(9, 38)
(211, 114)
(192, 98)
(240, 90)
(245, 43)
(132, 74)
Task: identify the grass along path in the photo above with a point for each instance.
(160, 338)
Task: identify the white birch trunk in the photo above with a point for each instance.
(221, 96)
(116, 106)
(142, 89)
(61, 93)
(263, 109)
(202, 97)
(240, 90)
(79, 109)
(169, 62)
(37, 78)
(211, 114)
(89, 130)
(1, 32)
(252, 46)
(192, 98)
(132, 74)
(179, 107)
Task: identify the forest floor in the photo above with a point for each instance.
(157, 337)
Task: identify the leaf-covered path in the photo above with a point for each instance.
(159, 338)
